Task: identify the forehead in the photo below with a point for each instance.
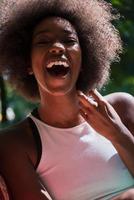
(54, 23)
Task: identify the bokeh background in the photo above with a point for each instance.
(14, 108)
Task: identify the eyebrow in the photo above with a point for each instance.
(66, 31)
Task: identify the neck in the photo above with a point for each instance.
(60, 111)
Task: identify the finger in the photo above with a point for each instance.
(84, 108)
(87, 101)
(103, 106)
(84, 114)
(97, 96)
(116, 198)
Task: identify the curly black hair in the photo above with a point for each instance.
(99, 40)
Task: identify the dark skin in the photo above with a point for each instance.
(116, 126)
(10, 143)
(17, 147)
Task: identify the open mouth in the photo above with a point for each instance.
(58, 69)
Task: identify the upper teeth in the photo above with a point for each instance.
(57, 63)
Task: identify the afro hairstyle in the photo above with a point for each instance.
(99, 40)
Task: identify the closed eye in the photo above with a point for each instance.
(70, 41)
(42, 42)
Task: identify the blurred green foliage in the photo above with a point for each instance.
(17, 107)
(122, 74)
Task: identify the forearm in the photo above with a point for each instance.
(106, 121)
(124, 144)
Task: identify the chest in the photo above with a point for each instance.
(88, 165)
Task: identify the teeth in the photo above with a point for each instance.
(50, 65)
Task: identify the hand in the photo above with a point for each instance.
(128, 195)
(100, 115)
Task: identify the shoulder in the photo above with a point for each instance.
(123, 103)
(120, 96)
(14, 133)
(17, 159)
(16, 140)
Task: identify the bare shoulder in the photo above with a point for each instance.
(123, 103)
(16, 140)
(13, 136)
(17, 168)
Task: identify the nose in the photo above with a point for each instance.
(57, 48)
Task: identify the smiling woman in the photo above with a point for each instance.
(58, 56)
(54, 51)
(99, 41)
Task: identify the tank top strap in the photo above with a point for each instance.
(37, 140)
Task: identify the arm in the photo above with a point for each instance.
(3, 190)
(18, 170)
(123, 103)
(105, 120)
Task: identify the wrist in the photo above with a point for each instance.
(121, 134)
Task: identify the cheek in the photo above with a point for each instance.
(78, 57)
(76, 54)
(37, 66)
(36, 59)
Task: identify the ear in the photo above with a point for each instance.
(30, 71)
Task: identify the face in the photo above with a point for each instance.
(56, 56)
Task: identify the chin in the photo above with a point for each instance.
(61, 92)
(58, 93)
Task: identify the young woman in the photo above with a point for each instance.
(77, 144)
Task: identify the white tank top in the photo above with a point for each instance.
(79, 164)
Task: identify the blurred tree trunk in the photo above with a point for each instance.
(3, 99)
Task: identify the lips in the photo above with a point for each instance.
(58, 68)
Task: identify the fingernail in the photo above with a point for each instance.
(80, 93)
(95, 90)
